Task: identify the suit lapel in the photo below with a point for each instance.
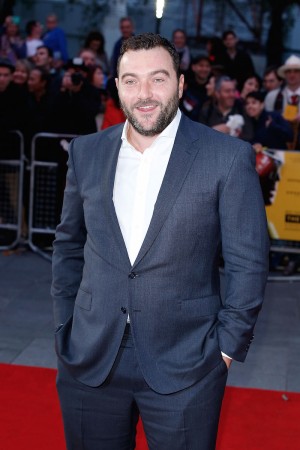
(181, 159)
(109, 172)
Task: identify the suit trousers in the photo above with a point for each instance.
(105, 417)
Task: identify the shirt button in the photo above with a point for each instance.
(132, 275)
(124, 310)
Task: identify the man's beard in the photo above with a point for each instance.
(165, 117)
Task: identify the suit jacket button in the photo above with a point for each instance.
(132, 275)
(124, 310)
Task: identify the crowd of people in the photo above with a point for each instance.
(42, 89)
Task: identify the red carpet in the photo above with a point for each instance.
(252, 419)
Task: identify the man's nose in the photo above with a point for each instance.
(145, 90)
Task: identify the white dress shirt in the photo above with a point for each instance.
(137, 182)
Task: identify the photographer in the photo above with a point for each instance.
(78, 102)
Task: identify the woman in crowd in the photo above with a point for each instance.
(21, 73)
(179, 39)
(33, 40)
(113, 113)
(270, 129)
(210, 94)
(252, 84)
(95, 41)
(11, 44)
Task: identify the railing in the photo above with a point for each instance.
(49, 154)
(11, 188)
(46, 179)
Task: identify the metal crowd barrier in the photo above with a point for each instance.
(49, 154)
(284, 247)
(11, 188)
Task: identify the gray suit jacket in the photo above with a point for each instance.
(209, 203)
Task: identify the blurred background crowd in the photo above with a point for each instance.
(42, 88)
(45, 89)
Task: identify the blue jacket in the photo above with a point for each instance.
(276, 134)
(56, 40)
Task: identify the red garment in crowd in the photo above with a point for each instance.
(113, 115)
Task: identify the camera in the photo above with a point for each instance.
(77, 78)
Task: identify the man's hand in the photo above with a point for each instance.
(257, 147)
(227, 361)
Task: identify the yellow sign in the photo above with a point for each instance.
(290, 112)
(280, 182)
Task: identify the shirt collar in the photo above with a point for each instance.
(296, 92)
(169, 132)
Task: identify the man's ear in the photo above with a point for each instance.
(180, 85)
(117, 83)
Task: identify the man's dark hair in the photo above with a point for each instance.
(200, 58)
(148, 41)
(49, 50)
(257, 95)
(95, 36)
(5, 62)
(179, 30)
(273, 69)
(43, 73)
(30, 26)
(227, 33)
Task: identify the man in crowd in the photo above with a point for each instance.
(78, 102)
(195, 93)
(148, 208)
(55, 38)
(11, 98)
(236, 63)
(43, 59)
(127, 30)
(217, 114)
(88, 57)
(40, 103)
(286, 99)
(271, 79)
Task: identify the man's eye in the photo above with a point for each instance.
(129, 82)
(158, 80)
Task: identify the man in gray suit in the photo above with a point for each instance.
(149, 207)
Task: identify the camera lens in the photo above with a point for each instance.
(76, 78)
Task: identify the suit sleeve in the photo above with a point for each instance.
(67, 261)
(245, 248)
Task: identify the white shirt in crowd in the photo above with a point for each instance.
(137, 182)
